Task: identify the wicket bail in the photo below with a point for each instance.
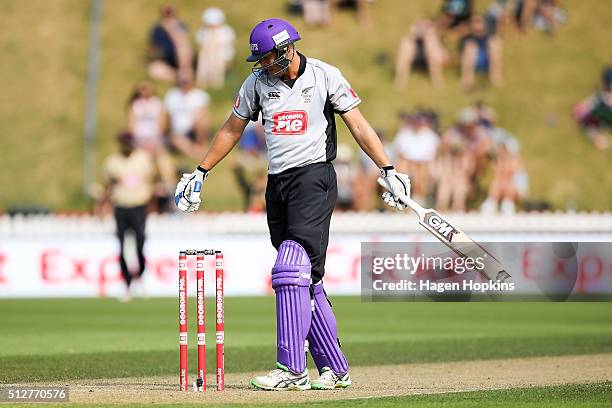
(200, 383)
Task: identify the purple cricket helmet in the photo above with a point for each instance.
(269, 35)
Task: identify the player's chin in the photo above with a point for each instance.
(276, 73)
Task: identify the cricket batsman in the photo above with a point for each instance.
(297, 98)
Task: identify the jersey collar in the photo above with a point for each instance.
(301, 70)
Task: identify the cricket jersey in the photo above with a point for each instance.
(298, 120)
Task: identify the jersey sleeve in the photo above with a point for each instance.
(341, 95)
(246, 105)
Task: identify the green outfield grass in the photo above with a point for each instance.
(44, 49)
(43, 340)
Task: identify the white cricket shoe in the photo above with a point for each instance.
(328, 380)
(281, 379)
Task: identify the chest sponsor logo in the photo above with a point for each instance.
(294, 122)
(274, 95)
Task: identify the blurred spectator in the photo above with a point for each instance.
(454, 15)
(594, 114)
(187, 107)
(359, 6)
(462, 153)
(369, 173)
(545, 15)
(487, 117)
(501, 16)
(416, 145)
(317, 12)
(146, 117)
(216, 52)
(129, 178)
(421, 49)
(510, 182)
(348, 179)
(480, 52)
(250, 167)
(170, 51)
(147, 122)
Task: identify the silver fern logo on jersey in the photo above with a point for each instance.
(307, 94)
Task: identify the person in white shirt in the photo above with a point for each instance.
(189, 116)
(147, 120)
(416, 145)
(216, 52)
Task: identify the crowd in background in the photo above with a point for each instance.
(473, 164)
(459, 37)
(176, 124)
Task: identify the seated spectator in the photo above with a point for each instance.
(462, 154)
(421, 49)
(347, 178)
(501, 16)
(545, 15)
(594, 114)
(170, 51)
(480, 52)
(360, 7)
(250, 167)
(510, 182)
(487, 117)
(369, 173)
(146, 118)
(216, 52)
(317, 12)
(454, 16)
(416, 145)
(187, 108)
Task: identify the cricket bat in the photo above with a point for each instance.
(455, 239)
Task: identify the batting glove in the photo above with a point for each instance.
(396, 184)
(187, 195)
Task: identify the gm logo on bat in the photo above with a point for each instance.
(440, 225)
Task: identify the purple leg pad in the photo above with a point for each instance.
(291, 282)
(323, 336)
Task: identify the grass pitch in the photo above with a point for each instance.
(72, 339)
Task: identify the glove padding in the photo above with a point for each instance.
(187, 194)
(397, 185)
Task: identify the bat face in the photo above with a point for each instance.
(461, 243)
(439, 226)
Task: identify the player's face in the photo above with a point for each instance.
(269, 65)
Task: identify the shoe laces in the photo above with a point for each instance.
(277, 372)
(328, 375)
